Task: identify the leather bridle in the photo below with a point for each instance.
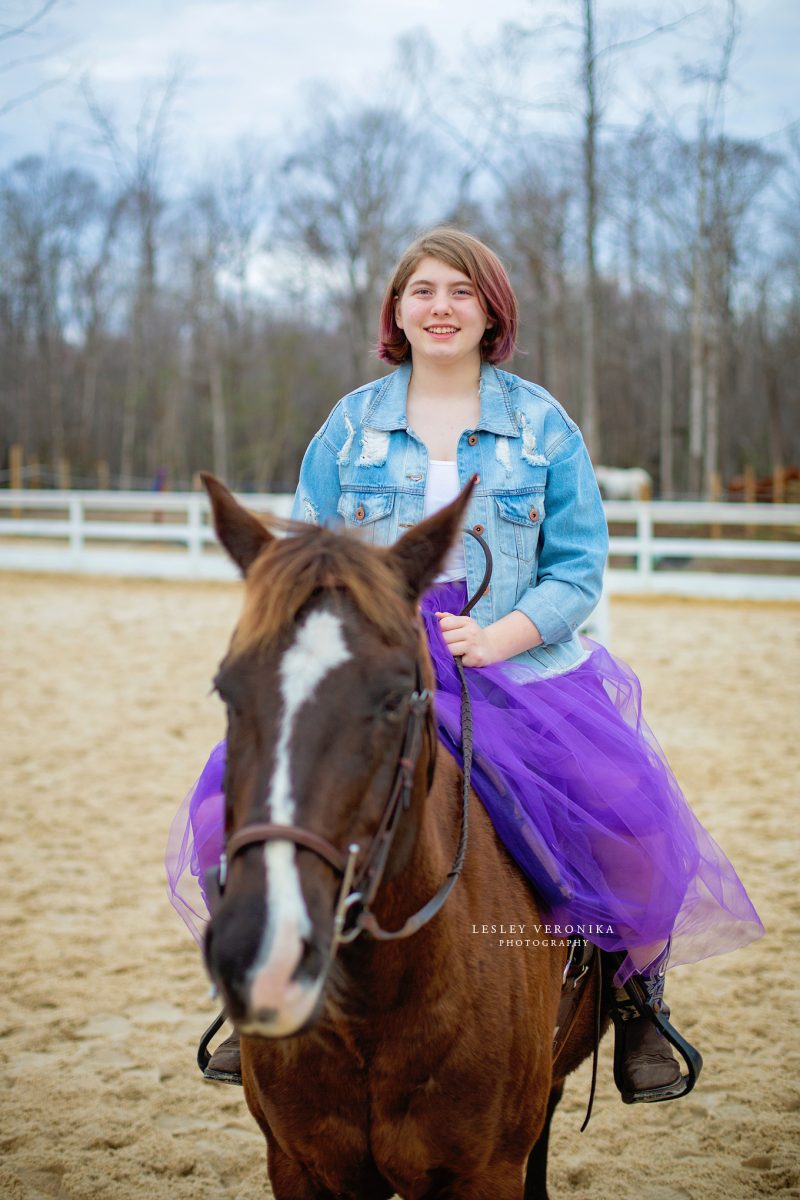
(361, 880)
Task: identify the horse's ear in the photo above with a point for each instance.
(418, 555)
(239, 531)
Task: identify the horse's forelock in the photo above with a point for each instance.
(290, 570)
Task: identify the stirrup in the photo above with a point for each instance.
(204, 1056)
(639, 1003)
(203, 1052)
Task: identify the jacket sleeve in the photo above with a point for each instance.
(573, 548)
(318, 490)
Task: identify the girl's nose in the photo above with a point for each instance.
(441, 304)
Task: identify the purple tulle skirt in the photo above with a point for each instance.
(579, 792)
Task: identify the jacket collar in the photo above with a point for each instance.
(387, 410)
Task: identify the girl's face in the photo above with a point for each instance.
(442, 314)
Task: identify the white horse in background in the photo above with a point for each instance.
(615, 483)
(624, 483)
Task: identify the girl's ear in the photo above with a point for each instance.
(418, 556)
(397, 320)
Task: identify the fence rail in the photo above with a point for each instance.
(169, 536)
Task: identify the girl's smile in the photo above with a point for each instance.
(442, 331)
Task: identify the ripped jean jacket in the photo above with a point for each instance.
(537, 502)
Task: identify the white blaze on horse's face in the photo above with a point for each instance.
(279, 1005)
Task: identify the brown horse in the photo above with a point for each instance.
(420, 1066)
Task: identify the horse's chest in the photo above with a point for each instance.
(412, 1131)
(366, 1125)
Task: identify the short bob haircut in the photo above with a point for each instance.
(481, 265)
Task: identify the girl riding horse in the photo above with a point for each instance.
(574, 782)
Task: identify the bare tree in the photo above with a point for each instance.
(45, 210)
(28, 29)
(349, 195)
(591, 58)
(511, 106)
(138, 163)
(704, 387)
(532, 216)
(220, 233)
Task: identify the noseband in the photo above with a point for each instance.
(361, 880)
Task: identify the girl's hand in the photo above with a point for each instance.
(465, 636)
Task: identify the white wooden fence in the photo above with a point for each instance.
(730, 551)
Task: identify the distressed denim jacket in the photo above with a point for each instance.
(536, 502)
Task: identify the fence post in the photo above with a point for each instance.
(16, 476)
(76, 530)
(778, 485)
(749, 495)
(644, 535)
(194, 520)
(716, 496)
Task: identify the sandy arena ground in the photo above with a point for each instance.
(105, 723)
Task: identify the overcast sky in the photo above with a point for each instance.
(247, 63)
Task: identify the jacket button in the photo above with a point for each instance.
(533, 514)
(477, 528)
(473, 439)
(359, 513)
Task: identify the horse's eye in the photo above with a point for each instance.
(231, 708)
(392, 704)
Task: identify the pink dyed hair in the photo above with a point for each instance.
(481, 265)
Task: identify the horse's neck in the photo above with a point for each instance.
(447, 963)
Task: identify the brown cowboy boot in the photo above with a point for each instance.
(225, 1065)
(645, 1069)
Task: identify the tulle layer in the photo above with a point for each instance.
(578, 791)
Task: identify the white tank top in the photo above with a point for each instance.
(441, 487)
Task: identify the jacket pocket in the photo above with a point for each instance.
(365, 511)
(519, 516)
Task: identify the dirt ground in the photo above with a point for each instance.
(106, 720)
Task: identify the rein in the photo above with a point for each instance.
(360, 882)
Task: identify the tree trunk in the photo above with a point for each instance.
(219, 422)
(666, 464)
(769, 368)
(697, 372)
(711, 455)
(130, 404)
(590, 417)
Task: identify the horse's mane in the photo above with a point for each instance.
(289, 570)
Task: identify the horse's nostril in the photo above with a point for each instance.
(310, 965)
(265, 1016)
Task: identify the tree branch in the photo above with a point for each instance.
(643, 38)
(32, 94)
(29, 24)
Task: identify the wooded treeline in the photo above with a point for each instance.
(161, 333)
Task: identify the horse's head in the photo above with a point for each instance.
(318, 682)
